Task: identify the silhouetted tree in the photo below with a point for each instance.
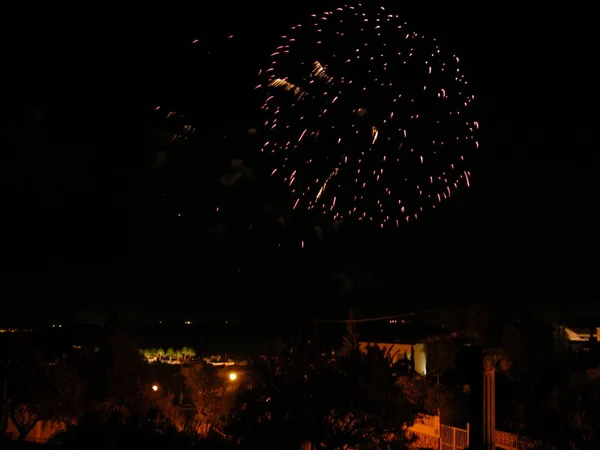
(575, 415)
(441, 355)
(171, 354)
(209, 394)
(95, 431)
(303, 396)
(124, 377)
(42, 390)
(546, 395)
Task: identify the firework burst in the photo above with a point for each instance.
(366, 118)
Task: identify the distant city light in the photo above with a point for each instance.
(155, 387)
(233, 376)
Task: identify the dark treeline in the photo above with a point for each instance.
(303, 388)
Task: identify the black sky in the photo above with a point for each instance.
(79, 232)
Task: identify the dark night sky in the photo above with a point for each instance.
(79, 231)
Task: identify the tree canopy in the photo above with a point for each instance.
(304, 396)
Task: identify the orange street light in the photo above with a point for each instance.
(233, 376)
(155, 387)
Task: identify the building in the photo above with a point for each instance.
(576, 338)
(580, 334)
(41, 433)
(398, 351)
(404, 340)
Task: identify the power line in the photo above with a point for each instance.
(376, 319)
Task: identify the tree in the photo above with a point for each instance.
(42, 390)
(546, 395)
(369, 406)
(115, 431)
(115, 376)
(275, 412)
(191, 353)
(441, 355)
(445, 392)
(179, 355)
(160, 353)
(150, 354)
(576, 411)
(171, 354)
(188, 352)
(212, 401)
(526, 335)
(303, 396)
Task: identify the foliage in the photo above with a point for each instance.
(210, 396)
(577, 415)
(110, 377)
(188, 352)
(303, 396)
(537, 369)
(546, 395)
(42, 390)
(116, 431)
(444, 392)
(377, 404)
(451, 401)
(117, 374)
(177, 355)
(170, 353)
(441, 355)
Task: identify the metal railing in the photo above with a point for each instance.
(452, 438)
